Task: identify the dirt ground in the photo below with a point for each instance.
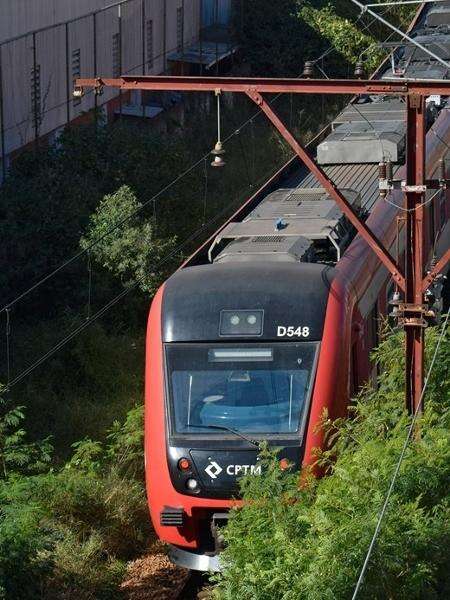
(154, 577)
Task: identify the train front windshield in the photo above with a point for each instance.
(258, 388)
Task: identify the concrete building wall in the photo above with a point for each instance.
(18, 17)
(37, 69)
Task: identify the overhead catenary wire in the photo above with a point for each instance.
(91, 319)
(153, 199)
(422, 204)
(403, 2)
(365, 8)
(122, 222)
(399, 462)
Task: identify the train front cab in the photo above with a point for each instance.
(236, 354)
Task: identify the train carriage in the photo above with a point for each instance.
(272, 321)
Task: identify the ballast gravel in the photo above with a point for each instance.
(154, 577)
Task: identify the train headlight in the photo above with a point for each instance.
(192, 484)
(241, 322)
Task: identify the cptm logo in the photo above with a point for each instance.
(213, 469)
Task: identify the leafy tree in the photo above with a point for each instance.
(288, 543)
(132, 251)
(277, 38)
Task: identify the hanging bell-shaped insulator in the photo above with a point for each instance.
(308, 69)
(382, 177)
(218, 153)
(359, 69)
(78, 92)
(395, 303)
(442, 170)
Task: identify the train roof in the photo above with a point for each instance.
(292, 224)
(290, 294)
(368, 131)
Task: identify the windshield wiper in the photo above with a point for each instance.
(225, 428)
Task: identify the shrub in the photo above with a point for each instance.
(66, 533)
(310, 543)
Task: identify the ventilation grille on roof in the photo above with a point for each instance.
(304, 197)
(268, 239)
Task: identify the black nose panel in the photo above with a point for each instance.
(221, 470)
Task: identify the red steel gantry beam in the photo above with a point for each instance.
(413, 282)
(265, 85)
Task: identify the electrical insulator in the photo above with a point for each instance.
(78, 92)
(433, 262)
(395, 302)
(382, 176)
(389, 170)
(308, 69)
(395, 297)
(218, 153)
(359, 69)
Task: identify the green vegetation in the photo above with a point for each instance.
(134, 249)
(310, 543)
(68, 532)
(319, 25)
(73, 512)
(348, 39)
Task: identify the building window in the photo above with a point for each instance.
(180, 29)
(150, 44)
(35, 81)
(116, 58)
(76, 71)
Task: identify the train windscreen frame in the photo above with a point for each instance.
(261, 389)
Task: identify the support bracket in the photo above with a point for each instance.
(414, 315)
